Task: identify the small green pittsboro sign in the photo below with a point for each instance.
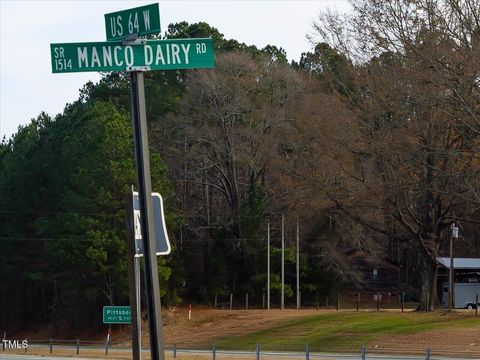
(117, 315)
(153, 55)
(143, 20)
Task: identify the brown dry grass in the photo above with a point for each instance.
(207, 326)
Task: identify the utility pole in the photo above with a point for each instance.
(298, 266)
(268, 264)
(451, 287)
(282, 299)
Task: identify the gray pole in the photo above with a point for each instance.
(133, 282)
(450, 277)
(139, 306)
(282, 297)
(298, 266)
(268, 264)
(142, 160)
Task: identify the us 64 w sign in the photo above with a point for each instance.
(143, 20)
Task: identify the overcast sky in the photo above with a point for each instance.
(27, 85)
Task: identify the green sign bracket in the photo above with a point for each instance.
(134, 40)
(138, 68)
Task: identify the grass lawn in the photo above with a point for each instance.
(344, 331)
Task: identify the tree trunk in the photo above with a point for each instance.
(428, 296)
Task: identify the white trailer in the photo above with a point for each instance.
(465, 295)
(467, 281)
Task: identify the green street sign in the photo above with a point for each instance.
(143, 20)
(152, 55)
(117, 315)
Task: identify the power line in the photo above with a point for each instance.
(121, 239)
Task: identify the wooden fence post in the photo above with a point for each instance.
(107, 343)
(476, 305)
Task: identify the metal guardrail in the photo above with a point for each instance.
(345, 354)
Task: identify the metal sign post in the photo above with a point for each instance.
(142, 157)
(138, 304)
(451, 277)
(268, 264)
(298, 266)
(133, 281)
(282, 296)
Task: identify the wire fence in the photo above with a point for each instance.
(348, 301)
(237, 301)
